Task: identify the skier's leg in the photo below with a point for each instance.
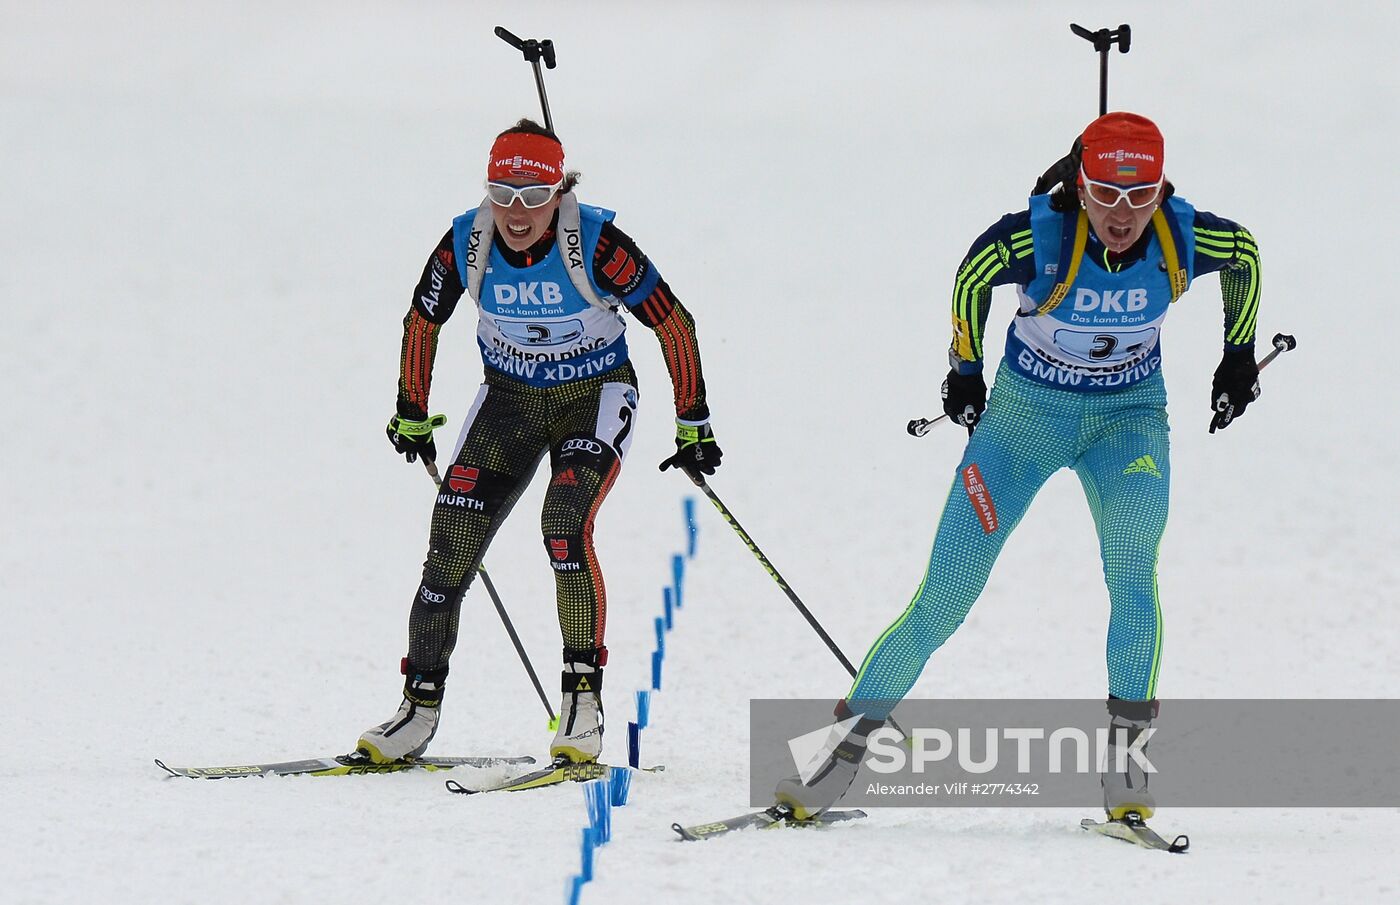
(589, 442)
(1021, 440)
(499, 447)
(1126, 475)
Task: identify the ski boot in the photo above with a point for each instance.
(824, 787)
(579, 738)
(408, 733)
(1125, 790)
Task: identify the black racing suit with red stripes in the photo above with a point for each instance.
(511, 427)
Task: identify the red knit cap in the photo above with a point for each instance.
(1124, 148)
(524, 155)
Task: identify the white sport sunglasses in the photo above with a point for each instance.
(1108, 194)
(532, 196)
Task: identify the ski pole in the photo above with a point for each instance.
(519, 648)
(1103, 41)
(431, 466)
(1282, 342)
(920, 426)
(534, 51)
(699, 481)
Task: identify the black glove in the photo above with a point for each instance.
(696, 449)
(1236, 385)
(964, 398)
(413, 437)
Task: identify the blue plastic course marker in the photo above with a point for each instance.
(619, 782)
(692, 529)
(677, 577)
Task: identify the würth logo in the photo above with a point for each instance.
(981, 497)
(462, 478)
(559, 548)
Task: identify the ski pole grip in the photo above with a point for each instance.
(1104, 39)
(547, 51)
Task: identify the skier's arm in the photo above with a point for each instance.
(1225, 246)
(620, 269)
(434, 300)
(1002, 254)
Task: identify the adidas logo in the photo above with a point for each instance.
(1143, 465)
(565, 478)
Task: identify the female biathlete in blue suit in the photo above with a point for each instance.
(1097, 265)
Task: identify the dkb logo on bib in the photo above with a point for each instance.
(545, 293)
(1111, 301)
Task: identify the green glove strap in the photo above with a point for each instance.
(408, 428)
(687, 435)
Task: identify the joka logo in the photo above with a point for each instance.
(1143, 465)
(573, 247)
(462, 478)
(565, 478)
(811, 750)
(473, 247)
(981, 497)
(559, 548)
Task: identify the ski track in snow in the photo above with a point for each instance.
(213, 220)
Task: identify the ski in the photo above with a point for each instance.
(1132, 828)
(767, 819)
(552, 775)
(343, 765)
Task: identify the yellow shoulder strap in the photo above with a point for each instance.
(1175, 271)
(1081, 239)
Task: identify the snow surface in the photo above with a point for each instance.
(212, 218)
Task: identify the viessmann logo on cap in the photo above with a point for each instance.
(1121, 155)
(524, 165)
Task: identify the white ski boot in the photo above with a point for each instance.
(579, 739)
(408, 733)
